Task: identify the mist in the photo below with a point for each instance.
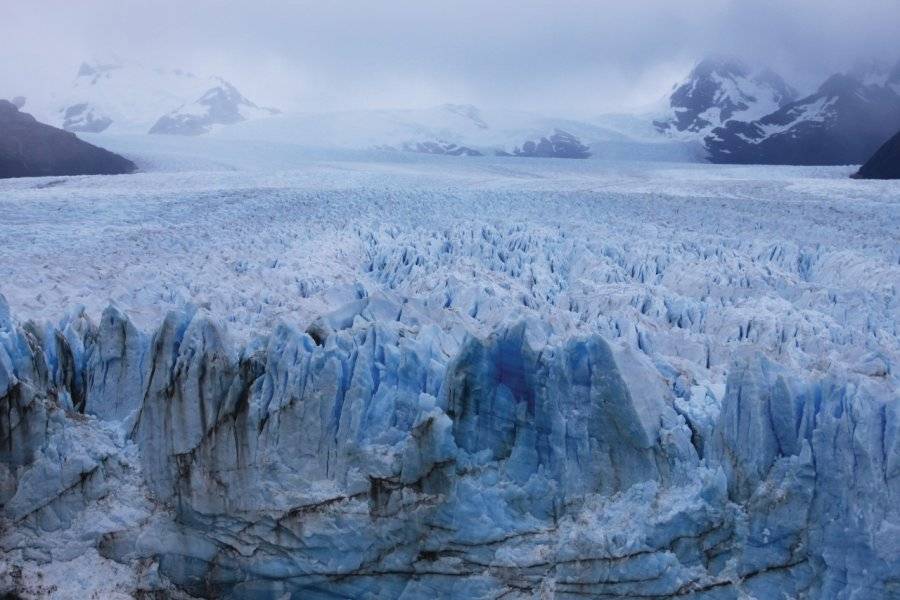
(581, 56)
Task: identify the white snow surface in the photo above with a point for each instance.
(754, 92)
(686, 270)
(818, 111)
(87, 240)
(258, 244)
(133, 95)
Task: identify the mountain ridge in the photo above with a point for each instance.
(29, 148)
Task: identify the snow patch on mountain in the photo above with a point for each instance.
(843, 122)
(130, 97)
(220, 105)
(717, 91)
(819, 110)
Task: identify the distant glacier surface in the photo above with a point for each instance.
(254, 372)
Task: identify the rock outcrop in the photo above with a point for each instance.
(32, 149)
(720, 90)
(843, 122)
(884, 164)
(742, 117)
(560, 144)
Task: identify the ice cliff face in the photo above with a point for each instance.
(379, 456)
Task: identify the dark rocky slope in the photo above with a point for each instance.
(32, 149)
(719, 90)
(842, 123)
(884, 164)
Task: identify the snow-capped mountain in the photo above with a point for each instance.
(220, 105)
(843, 122)
(717, 91)
(121, 97)
(877, 73)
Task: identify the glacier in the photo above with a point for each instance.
(455, 378)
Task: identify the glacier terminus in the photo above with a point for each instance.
(392, 376)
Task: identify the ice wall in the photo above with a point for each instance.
(383, 456)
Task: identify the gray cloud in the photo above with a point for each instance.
(582, 55)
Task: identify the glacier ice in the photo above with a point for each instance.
(582, 404)
(376, 464)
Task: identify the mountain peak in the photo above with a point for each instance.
(784, 92)
(840, 84)
(718, 90)
(127, 96)
(724, 66)
(843, 122)
(873, 71)
(99, 64)
(222, 104)
(467, 111)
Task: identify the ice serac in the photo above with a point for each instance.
(511, 402)
(384, 457)
(816, 463)
(115, 354)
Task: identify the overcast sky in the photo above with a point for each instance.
(578, 55)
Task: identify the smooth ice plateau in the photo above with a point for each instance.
(380, 377)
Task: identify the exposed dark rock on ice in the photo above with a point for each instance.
(742, 117)
(884, 164)
(32, 149)
(719, 90)
(560, 144)
(844, 122)
(83, 118)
